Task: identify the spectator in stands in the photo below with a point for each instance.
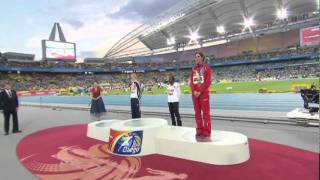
(10, 104)
(200, 86)
(97, 105)
(173, 91)
(135, 96)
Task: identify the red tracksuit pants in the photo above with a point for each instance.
(201, 106)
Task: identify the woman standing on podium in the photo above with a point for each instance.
(174, 92)
(200, 82)
(135, 97)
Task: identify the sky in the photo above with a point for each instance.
(94, 25)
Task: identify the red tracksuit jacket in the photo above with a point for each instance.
(201, 78)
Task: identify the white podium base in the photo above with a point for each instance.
(225, 148)
(138, 137)
(100, 130)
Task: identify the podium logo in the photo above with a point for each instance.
(125, 142)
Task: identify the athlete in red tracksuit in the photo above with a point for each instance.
(200, 82)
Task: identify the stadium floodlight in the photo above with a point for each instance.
(282, 13)
(194, 36)
(248, 22)
(220, 29)
(171, 41)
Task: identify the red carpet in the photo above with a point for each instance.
(66, 153)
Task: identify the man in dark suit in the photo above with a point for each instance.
(10, 104)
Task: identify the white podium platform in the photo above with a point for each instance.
(145, 136)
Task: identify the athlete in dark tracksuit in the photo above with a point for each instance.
(200, 82)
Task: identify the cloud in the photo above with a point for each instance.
(93, 38)
(34, 42)
(4, 49)
(95, 26)
(88, 26)
(144, 9)
(33, 46)
(120, 4)
(98, 34)
(74, 23)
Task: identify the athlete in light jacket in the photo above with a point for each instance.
(174, 92)
(135, 97)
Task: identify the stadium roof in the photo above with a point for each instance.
(14, 56)
(192, 21)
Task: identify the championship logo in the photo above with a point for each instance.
(125, 142)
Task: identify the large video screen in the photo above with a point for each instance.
(310, 36)
(54, 50)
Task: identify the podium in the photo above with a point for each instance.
(145, 136)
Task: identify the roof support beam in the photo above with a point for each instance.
(165, 34)
(145, 43)
(189, 26)
(213, 15)
(280, 4)
(243, 8)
